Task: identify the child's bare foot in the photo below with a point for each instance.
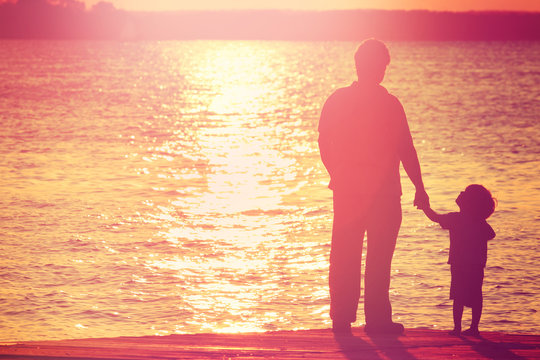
(455, 332)
(471, 332)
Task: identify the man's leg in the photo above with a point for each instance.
(345, 260)
(383, 228)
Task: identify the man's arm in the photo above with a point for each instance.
(409, 159)
(412, 167)
(326, 140)
(325, 148)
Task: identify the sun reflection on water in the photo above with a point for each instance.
(242, 216)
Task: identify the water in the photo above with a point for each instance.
(176, 187)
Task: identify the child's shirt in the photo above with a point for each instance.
(468, 239)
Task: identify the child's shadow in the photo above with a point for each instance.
(355, 348)
(493, 350)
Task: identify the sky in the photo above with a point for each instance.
(435, 5)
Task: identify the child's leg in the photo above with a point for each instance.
(476, 314)
(457, 311)
(477, 307)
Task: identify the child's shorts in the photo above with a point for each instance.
(466, 285)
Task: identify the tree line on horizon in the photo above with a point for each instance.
(69, 19)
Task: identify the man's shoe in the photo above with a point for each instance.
(341, 328)
(390, 328)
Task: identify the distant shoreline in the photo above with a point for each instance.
(104, 22)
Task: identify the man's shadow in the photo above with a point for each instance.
(355, 348)
(389, 347)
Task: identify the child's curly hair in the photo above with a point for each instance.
(478, 200)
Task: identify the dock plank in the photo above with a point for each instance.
(286, 345)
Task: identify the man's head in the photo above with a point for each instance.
(371, 58)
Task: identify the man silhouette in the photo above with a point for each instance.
(363, 137)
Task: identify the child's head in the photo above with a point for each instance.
(476, 201)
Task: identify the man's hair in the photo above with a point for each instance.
(371, 53)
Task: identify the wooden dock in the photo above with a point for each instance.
(286, 345)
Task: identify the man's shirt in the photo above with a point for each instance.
(363, 135)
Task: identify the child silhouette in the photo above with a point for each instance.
(469, 234)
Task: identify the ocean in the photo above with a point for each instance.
(155, 188)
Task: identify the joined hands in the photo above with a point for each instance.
(421, 199)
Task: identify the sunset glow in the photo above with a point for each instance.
(434, 5)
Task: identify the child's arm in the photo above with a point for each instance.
(432, 215)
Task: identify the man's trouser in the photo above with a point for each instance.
(353, 217)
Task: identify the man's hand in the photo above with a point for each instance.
(421, 199)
